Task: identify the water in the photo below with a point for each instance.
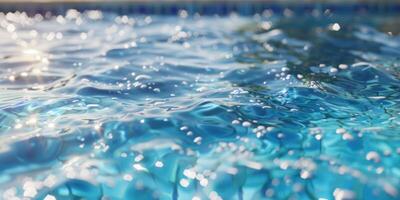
(100, 106)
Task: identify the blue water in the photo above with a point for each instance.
(100, 106)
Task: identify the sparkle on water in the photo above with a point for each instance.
(96, 105)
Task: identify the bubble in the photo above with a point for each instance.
(204, 182)
(127, 177)
(50, 197)
(305, 174)
(159, 164)
(246, 124)
(318, 137)
(30, 189)
(139, 158)
(343, 194)
(373, 156)
(334, 27)
(333, 70)
(235, 122)
(299, 76)
(197, 140)
(343, 66)
(189, 173)
(347, 136)
(340, 131)
(184, 182)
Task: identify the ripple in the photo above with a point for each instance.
(97, 105)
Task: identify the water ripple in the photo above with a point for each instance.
(96, 105)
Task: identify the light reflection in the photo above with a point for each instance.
(30, 51)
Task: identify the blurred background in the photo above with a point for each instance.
(200, 6)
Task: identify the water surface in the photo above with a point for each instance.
(101, 106)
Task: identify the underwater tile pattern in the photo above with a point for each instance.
(97, 105)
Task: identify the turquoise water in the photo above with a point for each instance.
(100, 106)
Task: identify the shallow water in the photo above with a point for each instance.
(100, 106)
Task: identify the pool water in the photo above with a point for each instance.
(96, 105)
